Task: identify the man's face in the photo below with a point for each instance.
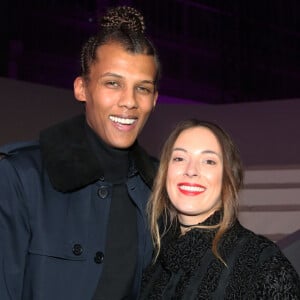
(119, 95)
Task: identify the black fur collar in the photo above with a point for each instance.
(71, 163)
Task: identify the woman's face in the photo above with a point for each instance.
(194, 177)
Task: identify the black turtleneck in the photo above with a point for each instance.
(121, 244)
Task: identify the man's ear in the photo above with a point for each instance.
(155, 100)
(79, 89)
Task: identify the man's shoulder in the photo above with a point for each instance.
(18, 149)
(20, 160)
(22, 147)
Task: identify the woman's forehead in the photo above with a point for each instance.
(198, 139)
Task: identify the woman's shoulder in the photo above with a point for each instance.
(257, 241)
(264, 253)
(259, 258)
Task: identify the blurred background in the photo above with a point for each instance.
(213, 51)
(235, 62)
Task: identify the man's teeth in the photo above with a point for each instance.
(192, 188)
(122, 120)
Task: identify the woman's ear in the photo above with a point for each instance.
(79, 89)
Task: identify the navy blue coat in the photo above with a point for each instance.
(54, 216)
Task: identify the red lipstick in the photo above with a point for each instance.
(190, 189)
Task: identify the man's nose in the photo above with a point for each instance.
(128, 98)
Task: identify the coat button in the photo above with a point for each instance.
(103, 192)
(77, 249)
(99, 256)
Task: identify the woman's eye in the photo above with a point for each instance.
(177, 158)
(209, 162)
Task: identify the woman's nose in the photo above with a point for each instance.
(191, 170)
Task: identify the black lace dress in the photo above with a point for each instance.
(187, 269)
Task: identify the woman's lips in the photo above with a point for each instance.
(190, 189)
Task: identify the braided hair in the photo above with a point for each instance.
(124, 25)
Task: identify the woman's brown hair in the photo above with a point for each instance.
(160, 208)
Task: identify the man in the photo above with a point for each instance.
(72, 205)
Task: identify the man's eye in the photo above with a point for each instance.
(144, 90)
(112, 84)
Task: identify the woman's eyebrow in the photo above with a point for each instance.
(202, 152)
(212, 152)
(179, 149)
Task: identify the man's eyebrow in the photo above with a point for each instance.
(111, 74)
(148, 82)
(120, 76)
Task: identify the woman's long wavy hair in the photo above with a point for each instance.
(160, 209)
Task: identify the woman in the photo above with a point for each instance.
(202, 251)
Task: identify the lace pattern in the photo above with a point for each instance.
(187, 269)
